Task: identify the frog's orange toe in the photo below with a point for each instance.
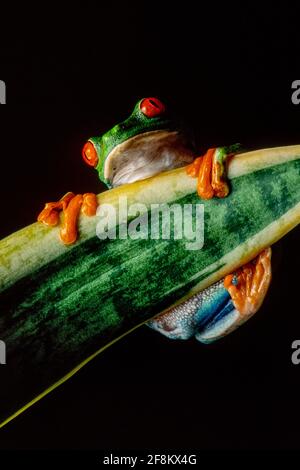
(219, 183)
(50, 214)
(204, 187)
(68, 232)
(89, 205)
(70, 205)
(194, 168)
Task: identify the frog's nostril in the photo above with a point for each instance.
(89, 154)
(152, 107)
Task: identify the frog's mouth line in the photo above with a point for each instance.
(146, 155)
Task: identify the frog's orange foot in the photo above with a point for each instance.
(211, 172)
(70, 205)
(248, 287)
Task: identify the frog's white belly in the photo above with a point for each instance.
(146, 155)
(207, 315)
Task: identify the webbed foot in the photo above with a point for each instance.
(222, 307)
(70, 204)
(248, 287)
(211, 172)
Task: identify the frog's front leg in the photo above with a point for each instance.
(211, 172)
(70, 204)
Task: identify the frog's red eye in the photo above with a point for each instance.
(89, 154)
(152, 107)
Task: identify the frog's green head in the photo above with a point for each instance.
(143, 145)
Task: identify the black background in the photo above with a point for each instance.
(229, 75)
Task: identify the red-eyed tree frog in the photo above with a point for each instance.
(145, 144)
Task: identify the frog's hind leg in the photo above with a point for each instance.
(184, 320)
(222, 307)
(70, 205)
(247, 289)
(252, 284)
